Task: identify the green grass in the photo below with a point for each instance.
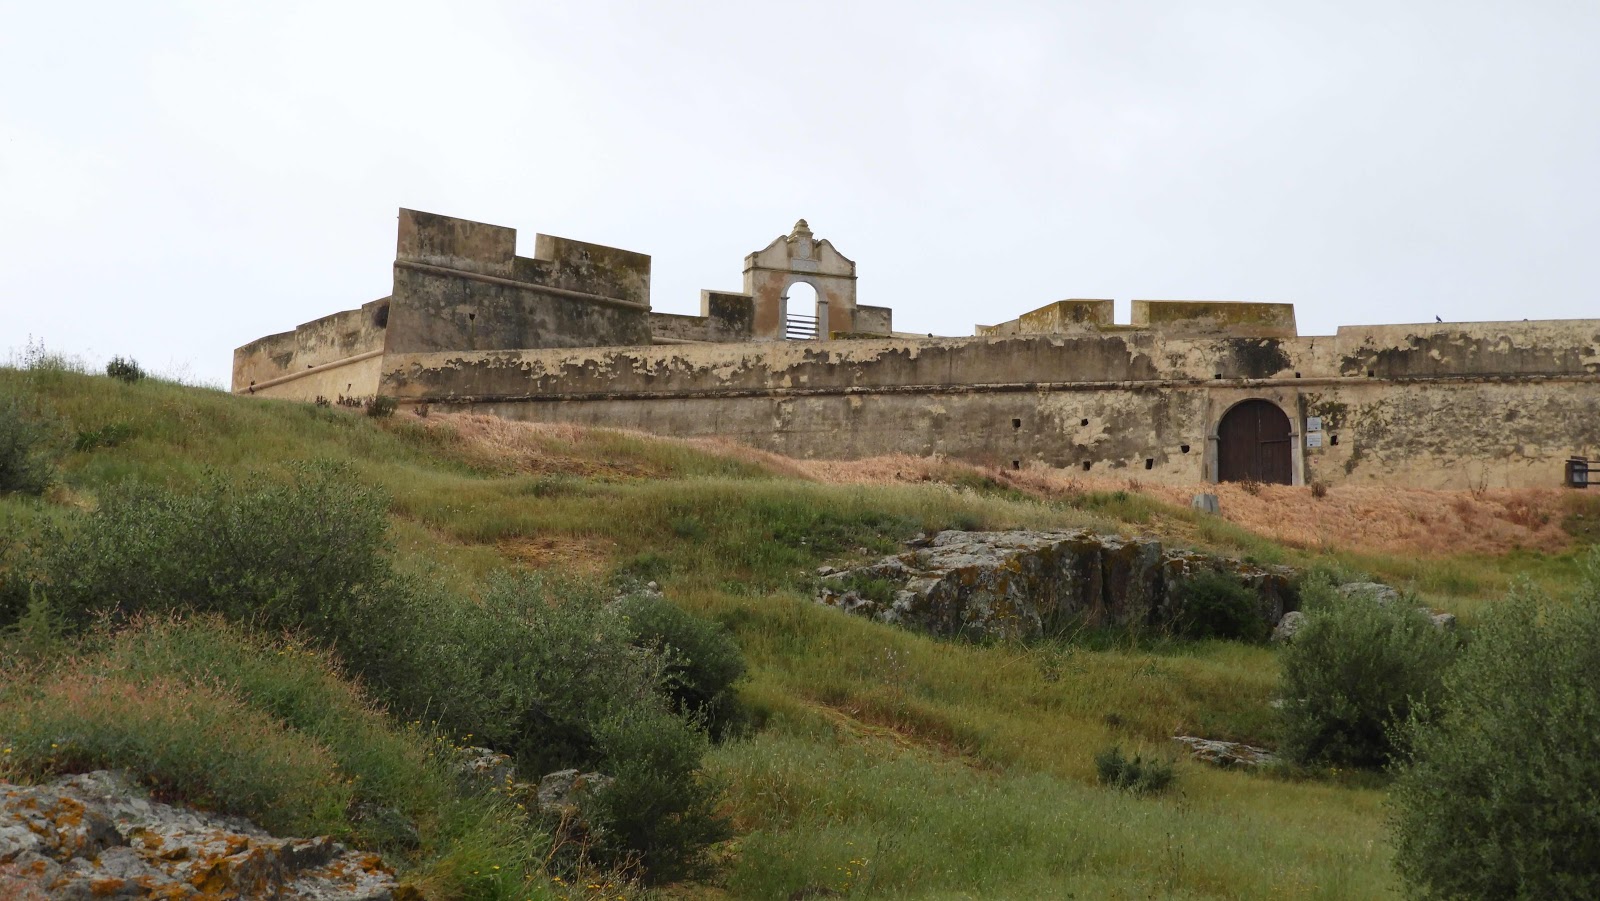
(209, 714)
(903, 765)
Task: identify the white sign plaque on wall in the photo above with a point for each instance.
(1313, 439)
(1313, 423)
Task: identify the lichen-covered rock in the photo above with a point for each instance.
(97, 835)
(1290, 624)
(487, 764)
(1376, 591)
(1026, 585)
(561, 793)
(1226, 753)
(1384, 595)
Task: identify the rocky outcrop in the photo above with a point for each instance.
(97, 835)
(1288, 626)
(1384, 595)
(563, 792)
(1226, 753)
(1027, 585)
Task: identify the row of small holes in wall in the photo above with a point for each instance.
(1149, 462)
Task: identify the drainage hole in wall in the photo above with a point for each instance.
(1369, 373)
(1086, 466)
(1334, 440)
(1149, 463)
(471, 316)
(1016, 423)
(1297, 375)
(1184, 448)
(1084, 422)
(1217, 376)
(1016, 464)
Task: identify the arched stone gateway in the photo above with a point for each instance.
(799, 257)
(1255, 443)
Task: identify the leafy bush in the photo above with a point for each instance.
(1500, 797)
(1138, 774)
(1355, 670)
(381, 406)
(109, 435)
(124, 369)
(703, 660)
(1215, 605)
(24, 468)
(284, 555)
(550, 674)
(546, 672)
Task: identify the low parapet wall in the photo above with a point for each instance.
(332, 357)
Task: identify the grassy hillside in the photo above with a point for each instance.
(880, 763)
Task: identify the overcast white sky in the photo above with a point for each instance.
(179, 178)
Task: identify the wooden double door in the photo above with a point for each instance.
(1254, 443)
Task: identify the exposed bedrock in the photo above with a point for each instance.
(98, 835)
(1028, 585)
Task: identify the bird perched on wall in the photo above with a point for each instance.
(1437, 319)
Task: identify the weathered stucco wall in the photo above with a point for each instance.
(724, 317)
(874, 320)
(1212, 317)
(458, 285)
(332, 357)
(1064, 317)
(1136, 402)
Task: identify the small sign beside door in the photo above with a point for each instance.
(1313, 431)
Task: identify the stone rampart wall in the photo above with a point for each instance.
(1476, 410)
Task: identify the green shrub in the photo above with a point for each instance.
(124, 369)
(1500, 797)
(1216, 605)
(702, 660)
(539, 670)
(109, 435)
(381, 406)
(1138, 774)
(661, 812)
(549, 673)
(303, 554)
(1354, 670)
(24, 466)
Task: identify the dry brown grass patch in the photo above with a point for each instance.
(587, 556)
(1362, 518)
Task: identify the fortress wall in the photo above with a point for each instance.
(1115, 402)
(893, 364)
(1471, 348)
(1435, 436)
(873, 320)
(440, 309)
(337, 355)
(459, 285)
